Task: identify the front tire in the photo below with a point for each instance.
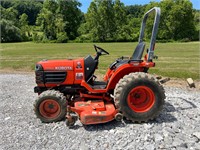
(50, 106)
(139, 96)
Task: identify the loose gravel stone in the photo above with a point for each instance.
(197, 134)
(158, 137)
(177, 127)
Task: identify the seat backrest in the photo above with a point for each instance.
(89, 65)
(137, 54)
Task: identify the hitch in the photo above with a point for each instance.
(118, 117)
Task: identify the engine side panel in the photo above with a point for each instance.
(60, 72)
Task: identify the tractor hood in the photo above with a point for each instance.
(53, 65)
(57, 65)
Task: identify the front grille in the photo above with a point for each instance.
(50, 77)
(54, 77)
(39, 77)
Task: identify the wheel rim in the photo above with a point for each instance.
(49, 108)
(141, 99)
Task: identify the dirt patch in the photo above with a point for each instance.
(182, 83)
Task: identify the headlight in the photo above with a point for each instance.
(38, 67)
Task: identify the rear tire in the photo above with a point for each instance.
(50, 106)
(139, 96)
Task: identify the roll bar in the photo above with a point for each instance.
(154, 30)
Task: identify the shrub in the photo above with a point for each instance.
(62, 37)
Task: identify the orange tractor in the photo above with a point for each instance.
(68, 88)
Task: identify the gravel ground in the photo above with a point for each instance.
(177, 127)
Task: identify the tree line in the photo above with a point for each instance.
(105, 21)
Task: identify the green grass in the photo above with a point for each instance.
(179, 60)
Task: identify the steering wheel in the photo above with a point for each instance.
(100, 51)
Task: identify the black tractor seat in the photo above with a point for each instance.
(137, 54)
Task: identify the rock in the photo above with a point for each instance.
(7, 118)
(150, 147)
(148, 126)
(158, 137)
(197, 135)
(84, 146)
(169, 130)
(106, 145)
(190, 83)
(184, 145)
(112, 131)
(146, 137)
(55, 127)
(176, 142)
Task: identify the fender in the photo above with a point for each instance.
(126, 69)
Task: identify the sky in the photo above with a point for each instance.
(86, 3)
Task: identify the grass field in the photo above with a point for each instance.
(181, 60)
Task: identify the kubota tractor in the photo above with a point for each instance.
(67, 88)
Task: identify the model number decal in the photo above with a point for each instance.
(79, 76)
(63, 68)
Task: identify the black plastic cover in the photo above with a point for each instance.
(89, 65)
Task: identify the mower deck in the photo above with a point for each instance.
(94, 112)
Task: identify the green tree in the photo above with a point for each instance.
(47, 20)
(197, 24)
(9, 32)
(9, 14)
(29, 7)
(23, 21)
(105, 20)
(13, 13)
(6, 3)
(59, 20)
(177, 20)
(108, 21)
(183, 20)
(91, 27)
(122, 30)
(61, 35)
(100, 19)
(72, 16)
(134, 28)
(135, 11)
(9, 25)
